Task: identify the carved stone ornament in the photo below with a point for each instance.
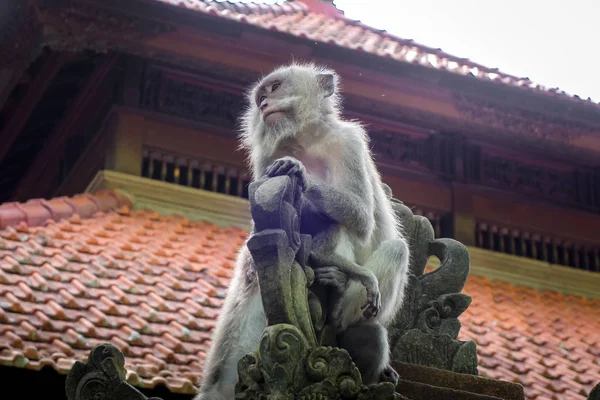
(102, 377)
(427, 326)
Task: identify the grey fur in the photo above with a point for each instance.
(343, 184)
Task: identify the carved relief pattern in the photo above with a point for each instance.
(167, 92)
(516, 120)
(401, 148)
(102, 377)
(198, 102)
(518, 176)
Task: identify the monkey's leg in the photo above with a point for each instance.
(325, 272)
(367, 344)
(239, 328)
(389, 263)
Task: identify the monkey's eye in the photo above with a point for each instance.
(261, 99)
(275, 86)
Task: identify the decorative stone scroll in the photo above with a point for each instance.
(427, 326)
(102, 377)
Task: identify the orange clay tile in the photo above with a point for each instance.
(94, 274)
(311, 22)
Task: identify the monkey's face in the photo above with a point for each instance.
(273, 103)
(291, 98)
(291, 101)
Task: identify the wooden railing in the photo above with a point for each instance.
(537, 245)
(194, 172)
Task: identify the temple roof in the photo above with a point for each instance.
(77, 272)
(298, 19)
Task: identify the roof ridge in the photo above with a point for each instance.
(38, 212)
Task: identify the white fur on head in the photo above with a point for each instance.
(304, 94)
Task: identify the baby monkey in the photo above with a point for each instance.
(292, 126)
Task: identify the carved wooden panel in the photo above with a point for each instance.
(527, 178)
(177, 94)
(402, 149)
(519, 120)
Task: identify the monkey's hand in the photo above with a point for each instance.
(389, 374)
(373, 305)
(332, 276)
(288, 166)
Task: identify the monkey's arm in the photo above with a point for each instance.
(389, 263)
(342, 206)
(349, 199)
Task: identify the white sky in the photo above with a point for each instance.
(555, 43)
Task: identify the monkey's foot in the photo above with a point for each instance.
(373, 305)
(288, 166)
(389, 374)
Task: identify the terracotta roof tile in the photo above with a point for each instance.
(149, 284)
(543, 340)
(297, 19)
(153, 286)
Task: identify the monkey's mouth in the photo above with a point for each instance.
(273, 116)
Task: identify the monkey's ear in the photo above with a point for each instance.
(327, 83)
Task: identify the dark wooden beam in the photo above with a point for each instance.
(90, 161)
(39, 177)
(36, 90)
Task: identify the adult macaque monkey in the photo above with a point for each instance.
(292, 126)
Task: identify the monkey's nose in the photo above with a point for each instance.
(264, 105)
